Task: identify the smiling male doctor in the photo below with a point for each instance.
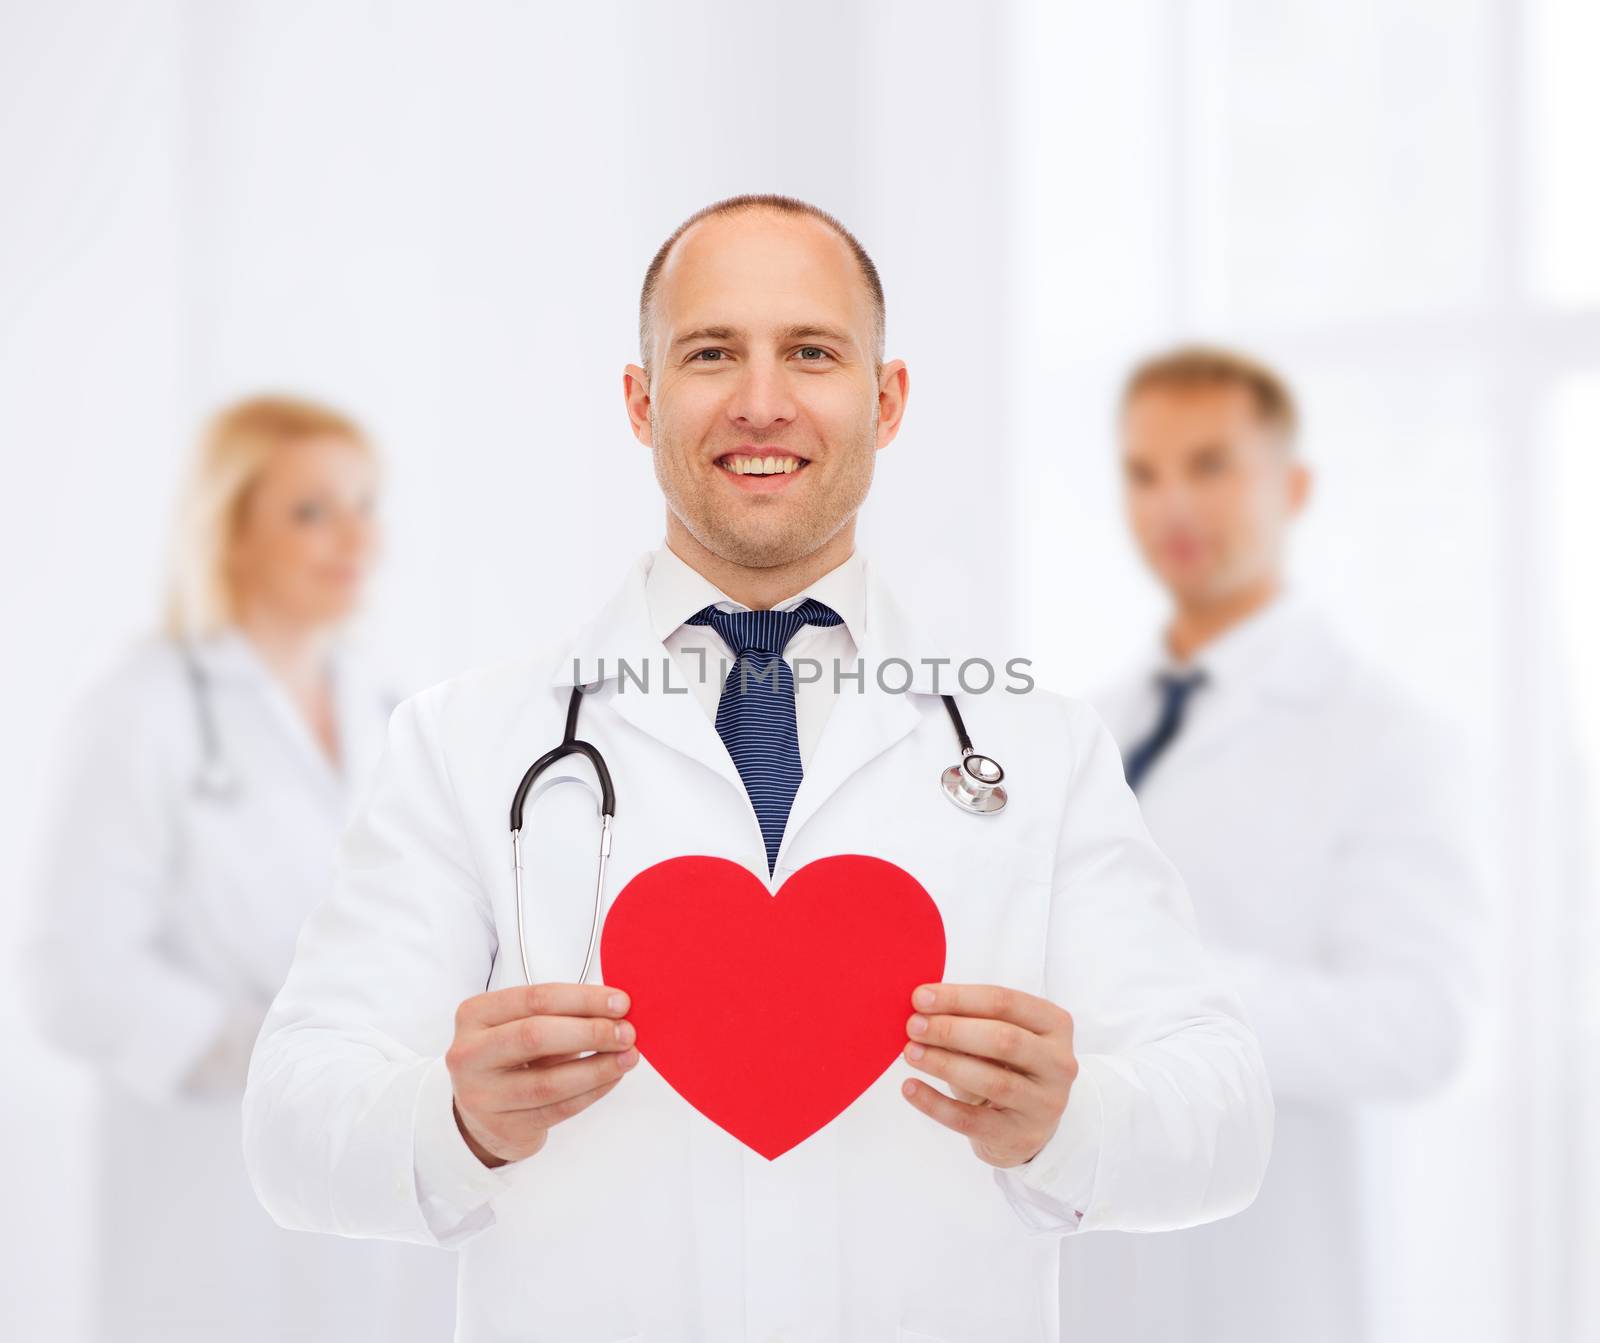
(407, 1084)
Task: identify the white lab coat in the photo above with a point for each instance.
(641, 1219)
(1317, 816)
(165, 922)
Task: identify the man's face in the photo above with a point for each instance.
(763, 409)
(1210, 490)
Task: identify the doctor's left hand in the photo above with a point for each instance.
(1007, 1057)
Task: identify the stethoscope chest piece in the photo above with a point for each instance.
(974, 784)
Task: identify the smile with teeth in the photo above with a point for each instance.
(761, 466)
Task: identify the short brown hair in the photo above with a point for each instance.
(1191, 366)
(733, 205)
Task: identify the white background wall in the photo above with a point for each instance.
(438, 216)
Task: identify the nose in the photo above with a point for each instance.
(1170, 500)
(762, 398)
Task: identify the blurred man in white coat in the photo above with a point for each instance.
(435, 1071)
(1316, 816)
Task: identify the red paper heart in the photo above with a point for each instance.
(771, 1013)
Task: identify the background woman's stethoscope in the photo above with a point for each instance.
(973, 784)
(214, 778)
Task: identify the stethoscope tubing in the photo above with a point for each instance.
(570, 745)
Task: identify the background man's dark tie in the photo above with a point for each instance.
(1175, 693)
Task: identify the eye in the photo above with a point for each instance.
(307, 512)
(809, 350)
(700, 356)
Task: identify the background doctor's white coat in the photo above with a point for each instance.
(439, 216)
(1317, 814)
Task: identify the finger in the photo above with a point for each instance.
(541, 1088)
(534, 1000)
(993, 1001)
(974, 1121)
(526, 1125)
(976, 1079)
(546, 1061)
(561, 1110)
(997, 1040)
(539, 1038)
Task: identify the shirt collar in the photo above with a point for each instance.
(673, 591)
(622, 630)
(229, 654)
(1242, 652)
(226, 654)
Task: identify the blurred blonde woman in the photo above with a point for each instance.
(195, 827)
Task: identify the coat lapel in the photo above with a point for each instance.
(1229, 708)
(866, 719)
(663, 707)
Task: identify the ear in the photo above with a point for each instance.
(894, 389)
(1300, 479)
(636, 397)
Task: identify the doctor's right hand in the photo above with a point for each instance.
(515, 1066)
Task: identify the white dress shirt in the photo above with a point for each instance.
(1235, 656)
(674, 592)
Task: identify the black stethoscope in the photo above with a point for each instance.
(973, 784)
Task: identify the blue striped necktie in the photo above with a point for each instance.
(755, 717)
(1175, 692)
